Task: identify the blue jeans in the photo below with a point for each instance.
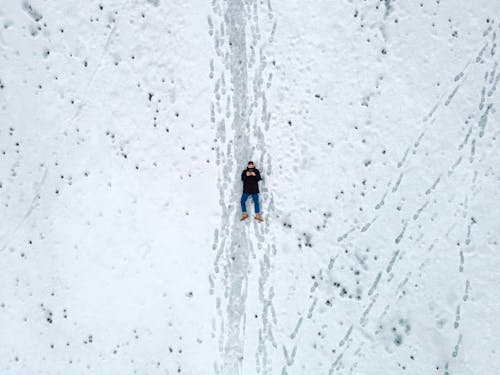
(255, 198)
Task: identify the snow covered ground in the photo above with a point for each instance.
(124, 127)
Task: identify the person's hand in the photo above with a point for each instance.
(248, 173)
(253, 174)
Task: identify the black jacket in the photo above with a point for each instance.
(250, 183)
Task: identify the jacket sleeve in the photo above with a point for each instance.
(257, 174)
(243, 175)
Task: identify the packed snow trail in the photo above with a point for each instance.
(243, 62)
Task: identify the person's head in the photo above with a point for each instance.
(250, 165)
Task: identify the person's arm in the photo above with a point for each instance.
(257, 174)
(244, 175)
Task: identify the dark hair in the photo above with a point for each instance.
(250, 162)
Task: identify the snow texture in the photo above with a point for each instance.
(124, 127)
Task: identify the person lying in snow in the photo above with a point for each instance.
(250, 177)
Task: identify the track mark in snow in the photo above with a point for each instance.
(240, 98)
(447, 173)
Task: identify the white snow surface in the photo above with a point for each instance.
(125, 125)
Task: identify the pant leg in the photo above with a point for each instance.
(244, 197)
(255, 198)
